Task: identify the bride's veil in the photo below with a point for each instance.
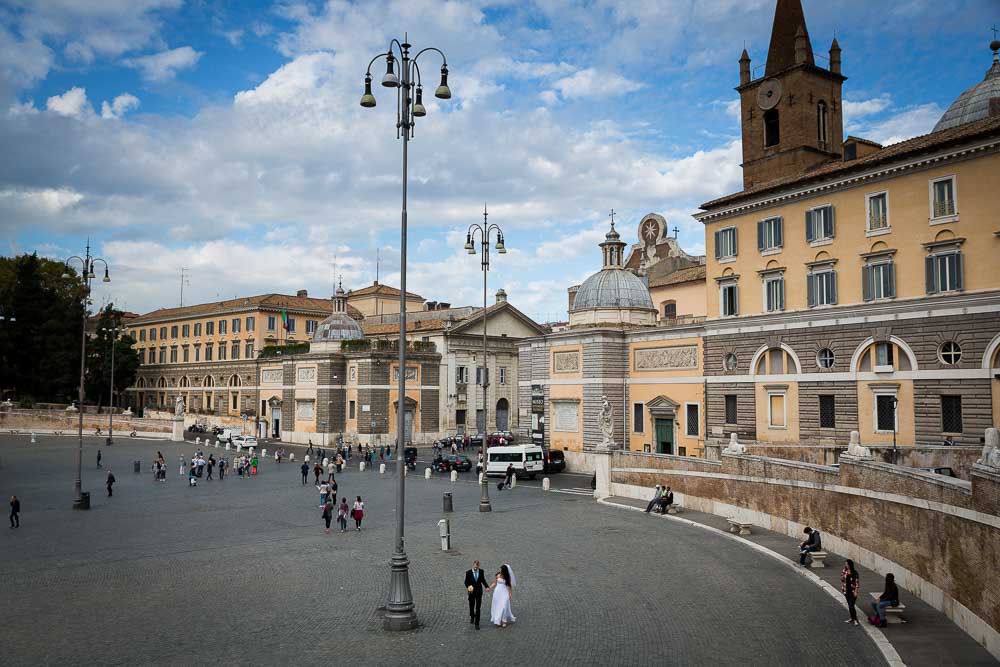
(513, 579)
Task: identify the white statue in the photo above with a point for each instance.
(734, 446)
(991, 450)
(855, 449)
(179, 407)
(606, 424)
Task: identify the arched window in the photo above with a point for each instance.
(162, 382)
(772, 133)
(235, 381)
(776, 361)
(140, 383)
(884, 357)
(821, 123)
(184, 381)
(669, 309)
(209, 381)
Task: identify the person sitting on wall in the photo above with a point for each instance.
(812, 543)
(666, 499)
(949, 441)
(656, 499)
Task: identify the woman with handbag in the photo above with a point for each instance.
(328, 514)
(342, 515)
(359, 512)
(850, 584)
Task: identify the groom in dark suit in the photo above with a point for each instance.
(475, 582)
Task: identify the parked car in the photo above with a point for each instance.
(502, 438)
(555, 461)
(235, 440)
(946, 471)
(250, 441)
(453, 462)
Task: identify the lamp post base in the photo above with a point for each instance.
(83, 502)
(484, 498)
(399, 612)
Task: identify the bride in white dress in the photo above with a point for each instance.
(500, 612)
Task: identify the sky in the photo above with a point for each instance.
(227, 139)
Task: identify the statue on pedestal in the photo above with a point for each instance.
(604, 419)
(855, 449)
(179, 407)
(991, 450)
(734, 446)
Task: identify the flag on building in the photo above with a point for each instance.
(284, 319)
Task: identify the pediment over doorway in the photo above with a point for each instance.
(662, 406)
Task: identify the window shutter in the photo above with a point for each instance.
(811, 289)
(829, 231)
(891, 277)
(736, 246)
(736, 299)
(760, 235)
(833, 287)
(929, 277)
(781, 294)
(809, 227)
(779, 233)
(866, 280)
(958, 271)
(718, 250)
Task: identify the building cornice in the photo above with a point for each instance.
(142, 322)
(833, 184)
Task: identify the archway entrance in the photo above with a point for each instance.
(503, 415)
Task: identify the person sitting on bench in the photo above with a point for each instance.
(812, 543)
(655, 500)
(666, 499)
(889, 598)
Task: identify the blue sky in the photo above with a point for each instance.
(226, 138)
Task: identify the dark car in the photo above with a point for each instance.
(555, 461)
(502, 438)
(452, 462)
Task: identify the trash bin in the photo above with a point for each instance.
(136, 466)
(447, 502)
(84, 500)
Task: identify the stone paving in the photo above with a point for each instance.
(241, 572)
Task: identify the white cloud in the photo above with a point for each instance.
(71, 103)
(38, 203)
(234, 37)
(591, 82)
(164, 66)
(911, 122)
(119, 106)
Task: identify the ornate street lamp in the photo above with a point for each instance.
(87, 275)
(484, 230)
(113, 332)
(400, 613)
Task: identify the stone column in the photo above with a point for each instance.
(602, 468)
(177, 434)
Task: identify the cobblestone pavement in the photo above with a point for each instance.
(241, 572)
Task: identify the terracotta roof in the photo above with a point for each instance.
(689, 274)
(411, 327)
(272, 301)
(895, 152)
(381, 289)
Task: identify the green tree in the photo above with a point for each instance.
(40, 350)
(99, 351)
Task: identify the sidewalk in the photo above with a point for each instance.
(927, 638)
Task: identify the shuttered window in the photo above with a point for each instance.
(769, 234)
(943, 272)
(774, 293)
(821, 288)
(729, 300)
(819, 224)
(878, 281)
(725, 243)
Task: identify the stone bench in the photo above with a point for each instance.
(892, 614)
(741, 527)
(816, 559)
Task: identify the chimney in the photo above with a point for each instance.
(801, 46)
(744, 68)
(835, 57)
(501, 296)
(302, 293)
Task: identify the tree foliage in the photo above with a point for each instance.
(99, 351)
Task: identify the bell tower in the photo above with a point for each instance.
(792, 116)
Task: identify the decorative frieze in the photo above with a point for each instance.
(307, 374)
(271, 376)
(566, 362)
(666, 358)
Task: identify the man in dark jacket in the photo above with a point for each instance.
(812, 543)
(15, 512)
(111, 482)
(475, 582)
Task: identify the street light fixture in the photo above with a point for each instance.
(87, 276)
(400, 613)
(484, 230)
(114, 331)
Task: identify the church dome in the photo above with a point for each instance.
(338, 326)
(612, 288)
(974, 103)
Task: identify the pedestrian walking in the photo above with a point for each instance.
(342, 515)
(15, 512)
(328, 514)
(211, 466)
(358, 512)
(98, 458)
(305, 474)
(850, 584)
(317, 471)
(223, 464)
(324, 491)
(509, 475)
(333, 490)
(331, 467)
(110, 482)
(183, 467)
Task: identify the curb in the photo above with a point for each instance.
(875, 634)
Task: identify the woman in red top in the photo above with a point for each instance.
(850, 584)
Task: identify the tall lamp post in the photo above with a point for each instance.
(87, 275)
(400, 613)
(113, 331)
(484, 231)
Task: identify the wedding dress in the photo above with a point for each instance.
(500, 611)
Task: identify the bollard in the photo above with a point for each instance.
(33, 440)
(513, 481)
(447, 503)
(197, 440)
(361, 466)
(326, 462)
(291, 457)
(263, 453)
(481, 476)
(135, 466)
(454, 475)
(427, 473)
(217, 444)
(545, 484)
(381, 469)
(444, 530)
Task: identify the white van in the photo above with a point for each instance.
(228, 434)
(528, 460)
